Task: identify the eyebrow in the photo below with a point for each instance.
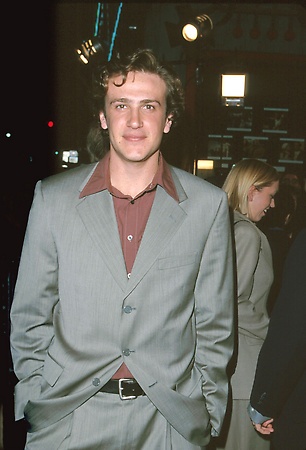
(126, 100)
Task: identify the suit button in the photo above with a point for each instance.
(127, 309)
(96, 381)
(126, 352)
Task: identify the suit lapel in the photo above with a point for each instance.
(165, 218)
(98, 215)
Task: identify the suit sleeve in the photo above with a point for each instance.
(215, 315)
(34, 299)
(248, 248)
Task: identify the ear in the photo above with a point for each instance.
(103, 121)
(251, 192)
(168, 124)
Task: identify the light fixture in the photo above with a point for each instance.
(89, 49)
(203, 167)
(197, 28)
(233, 89)
(70, 156)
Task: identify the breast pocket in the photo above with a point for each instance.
(178, 275)
(177, 261)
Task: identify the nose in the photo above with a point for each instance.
(134, 120)
(272, 204)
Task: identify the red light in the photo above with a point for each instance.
(50, 123)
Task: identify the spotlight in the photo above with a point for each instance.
(89, 49)
(199, 27)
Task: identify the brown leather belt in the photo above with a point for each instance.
(126, 388)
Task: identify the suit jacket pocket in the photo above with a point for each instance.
(52, 371)
(176, 261)
(191, 386)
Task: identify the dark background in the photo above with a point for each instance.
(43, 80)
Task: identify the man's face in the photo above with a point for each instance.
(135, 115)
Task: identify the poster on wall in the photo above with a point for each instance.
(239, 119)
(255, 147)
(275, 120)
(220, 147)
(291, 150)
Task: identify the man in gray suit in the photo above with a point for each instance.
(122, 318)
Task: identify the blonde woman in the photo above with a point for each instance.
(250, 186)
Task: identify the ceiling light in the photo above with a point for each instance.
(197, 28)
(89, 49)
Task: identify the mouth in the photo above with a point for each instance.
(134, 138)
(265, 210)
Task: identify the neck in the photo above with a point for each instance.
(131, 177)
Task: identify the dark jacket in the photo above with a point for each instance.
(279, 389)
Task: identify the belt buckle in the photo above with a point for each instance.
(122, 387)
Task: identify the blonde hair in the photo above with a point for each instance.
(243, 175)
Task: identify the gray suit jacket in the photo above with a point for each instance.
(254, 279)
(71, 329)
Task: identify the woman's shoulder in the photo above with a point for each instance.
(244, 226)
(241, 220)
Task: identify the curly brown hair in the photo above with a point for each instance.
(142, 60)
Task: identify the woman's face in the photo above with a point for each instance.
(260, 200)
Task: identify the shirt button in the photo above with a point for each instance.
(127, 309)
(130, 237)
(126, 352)
(96, 381)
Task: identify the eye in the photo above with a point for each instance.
(120, 106)
(149, 107)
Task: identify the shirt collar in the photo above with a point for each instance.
(100, 179)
